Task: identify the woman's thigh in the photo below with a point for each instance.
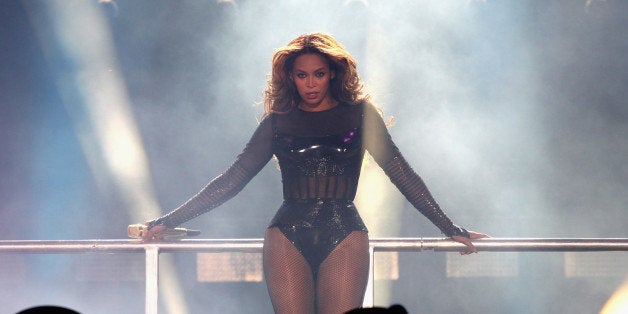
(288, 275)
(343, 275)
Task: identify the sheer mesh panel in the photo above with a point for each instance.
(332, 187)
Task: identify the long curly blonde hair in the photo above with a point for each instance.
(281, 96)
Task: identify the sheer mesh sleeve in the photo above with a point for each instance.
(380, 145)
(225, 186)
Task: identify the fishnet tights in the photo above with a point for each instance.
(339, 285)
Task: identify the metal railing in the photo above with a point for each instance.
(152, 250)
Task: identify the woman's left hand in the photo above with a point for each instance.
(467, 241)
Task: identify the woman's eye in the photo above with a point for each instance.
(301, 75)
(320, 74)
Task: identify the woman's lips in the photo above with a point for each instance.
(312, 95)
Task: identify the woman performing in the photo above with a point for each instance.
(318, 124)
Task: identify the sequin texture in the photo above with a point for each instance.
(317, 226)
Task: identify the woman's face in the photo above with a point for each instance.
(311, 75)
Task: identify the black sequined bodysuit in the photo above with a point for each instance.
(320, 156)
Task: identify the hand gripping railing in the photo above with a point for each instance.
(153, 249)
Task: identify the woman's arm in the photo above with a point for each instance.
(225, 186)
(380, 145)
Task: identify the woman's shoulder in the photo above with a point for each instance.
(359, 106)
(368, 108)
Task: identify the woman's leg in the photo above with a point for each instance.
(343, 275)
(288, 275)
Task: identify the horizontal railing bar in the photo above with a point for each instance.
(255, 245)
(503, 244)
(130, 246)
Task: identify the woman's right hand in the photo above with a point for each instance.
(154, 233)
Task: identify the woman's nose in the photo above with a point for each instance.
(309, 82)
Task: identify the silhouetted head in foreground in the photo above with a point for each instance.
(394, 309)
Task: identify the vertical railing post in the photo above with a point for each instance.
(152, 279)
(369, 297)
